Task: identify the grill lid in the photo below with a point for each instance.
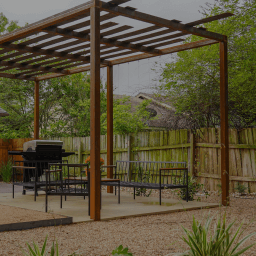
(31, 145)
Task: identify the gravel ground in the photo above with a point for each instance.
(151, 235)
(10, 214)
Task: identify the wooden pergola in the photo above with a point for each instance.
(83, 38)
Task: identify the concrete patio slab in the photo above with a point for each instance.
(77, 207)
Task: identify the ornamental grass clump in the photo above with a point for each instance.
(215, 239)
(6, 171)
(193, 188)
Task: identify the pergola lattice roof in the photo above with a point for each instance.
(60, 45)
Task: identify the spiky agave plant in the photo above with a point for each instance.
(34, 250)
(220, 242)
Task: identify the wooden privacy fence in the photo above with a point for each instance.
(11, 145)
(201, 151)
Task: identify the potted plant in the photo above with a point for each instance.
(88, 161)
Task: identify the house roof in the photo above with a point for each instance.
(165, 113)
(3, 112)
(157, 99)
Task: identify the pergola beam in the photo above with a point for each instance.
(159, 21)
(69, 15)
(110, 124)
(51, 53)
(24, 66)
(107, 41)
(95, 173)
(224, 123)
(169, 50)
(12, 76)
(36, 111)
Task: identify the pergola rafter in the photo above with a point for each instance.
(81, 39)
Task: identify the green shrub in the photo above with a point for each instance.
(121, 251)
(240, 188)
(144, 178)
(6, 171)
(193, 188)
(219, 242)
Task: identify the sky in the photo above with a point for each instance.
(129, 79)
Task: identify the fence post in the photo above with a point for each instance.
(192, 153)
(129, 156)
(80, 157)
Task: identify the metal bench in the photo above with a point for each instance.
(152, 175)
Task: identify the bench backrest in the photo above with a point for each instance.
(149, 172)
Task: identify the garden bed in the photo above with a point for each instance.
(150, 235)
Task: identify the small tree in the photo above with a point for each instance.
(191, 80)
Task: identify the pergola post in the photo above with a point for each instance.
(95, 175)
(36, 111)
(224, 122)
(110, 124)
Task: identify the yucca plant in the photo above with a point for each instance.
(219, 242)
(34, 250)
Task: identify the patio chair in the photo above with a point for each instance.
(31, 175)
(66, 180)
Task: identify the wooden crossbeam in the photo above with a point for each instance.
(209, 19)
(32, 61)
(121, 60)
(11, 76)
(31, 74)
(137, 32)
(30, 56)
(54, 30)
(33, 67)
(69, 15)
(116, 30)
(88, 22)
(42, 52)
(119, 53)
(15, 54)
(130, 52)
(169, 50)
(50, 53)
(117, 2)
(157, 40)
(160, 33)
(36, 39)
(159, 21)
(173, 49)
(109, 42)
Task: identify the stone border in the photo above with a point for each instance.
(35, 224)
